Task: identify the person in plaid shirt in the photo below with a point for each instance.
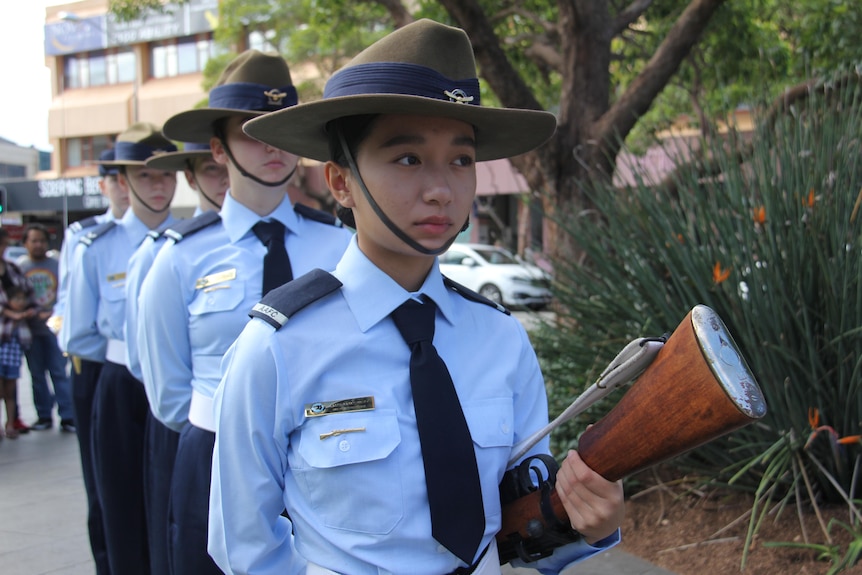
(17, 306)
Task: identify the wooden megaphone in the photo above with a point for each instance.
(697, 388)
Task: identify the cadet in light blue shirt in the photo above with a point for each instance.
(118, 198)
(210, 180)
(316, 411)
(201, 286)
(85, 372)
(94, 330)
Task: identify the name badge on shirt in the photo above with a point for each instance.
(319, 408)
(116, 277)
(212, 279)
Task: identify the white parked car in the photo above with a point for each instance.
(496, 274)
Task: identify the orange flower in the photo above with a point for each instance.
(850, 440)
(809, 201)
(680, 239)
(719, 275)
(759, 215)
(813, 417)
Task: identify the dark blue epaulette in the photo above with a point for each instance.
(316, 215)
(469, 294)
(185, 228)
(280, 304)
(160, 231)
(96, 233)
(82, 225)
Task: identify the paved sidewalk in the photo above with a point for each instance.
(43, 509)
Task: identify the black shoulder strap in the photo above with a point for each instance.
(96, 233)
(469, 294)
(316, 215)
(160, 231)
(280, 304)
(81, 225)
(185, 228)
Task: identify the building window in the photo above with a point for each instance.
(85, 151)
(114, 66)
(181, 55)
(12, 171)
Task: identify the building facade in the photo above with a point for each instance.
(106, 75)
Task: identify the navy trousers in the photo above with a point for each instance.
(190, 499)
(161, 449)
(85, 376)
(119, 422)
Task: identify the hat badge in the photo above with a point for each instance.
(458, 95)
(274, 96)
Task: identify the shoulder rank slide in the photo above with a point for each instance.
(186, 228)
(81, 225)
(469, 294)
(96, 233)
(316, 215)
(280, 304)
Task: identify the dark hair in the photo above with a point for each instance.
(35, 226)
(15, 290)
(355, 129)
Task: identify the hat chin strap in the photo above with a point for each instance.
(140, 199)
(383, 217)
(250, 176)
(201, 189)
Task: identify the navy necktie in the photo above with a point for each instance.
(451, 473)
(276, 264)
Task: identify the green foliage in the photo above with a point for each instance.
(839, 558)
(773, 245)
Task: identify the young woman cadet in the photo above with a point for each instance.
(209, 179)
(324, 410)
(94, 330)
(204, 281)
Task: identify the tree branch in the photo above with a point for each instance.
(630, 15)
(399, 14)
(685, 33)
(495, 67)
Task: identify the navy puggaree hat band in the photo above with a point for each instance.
(403, 79)
(195, 147)
(252, 97)
(135, 152)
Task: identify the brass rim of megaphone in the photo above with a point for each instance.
(726, 362)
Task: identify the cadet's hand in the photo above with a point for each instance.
(595, 506)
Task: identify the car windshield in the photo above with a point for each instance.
(497, 256)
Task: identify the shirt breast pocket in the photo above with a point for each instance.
(351, 452)
(217, 298)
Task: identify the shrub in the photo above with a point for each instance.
(772, 244)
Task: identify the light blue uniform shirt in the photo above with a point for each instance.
(358, 500)
(97, 289)
(196, 298)
(139, 265)
(71, 237)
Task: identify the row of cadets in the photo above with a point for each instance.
(85, 372)
(319, 407)
(210, 180)
(93, 329)
(196, 297)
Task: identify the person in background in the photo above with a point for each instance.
(209, 179)
(94, 329)
(11, 274)
(380, 403)
(44, 355)
(203, 282)
(16, 308)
